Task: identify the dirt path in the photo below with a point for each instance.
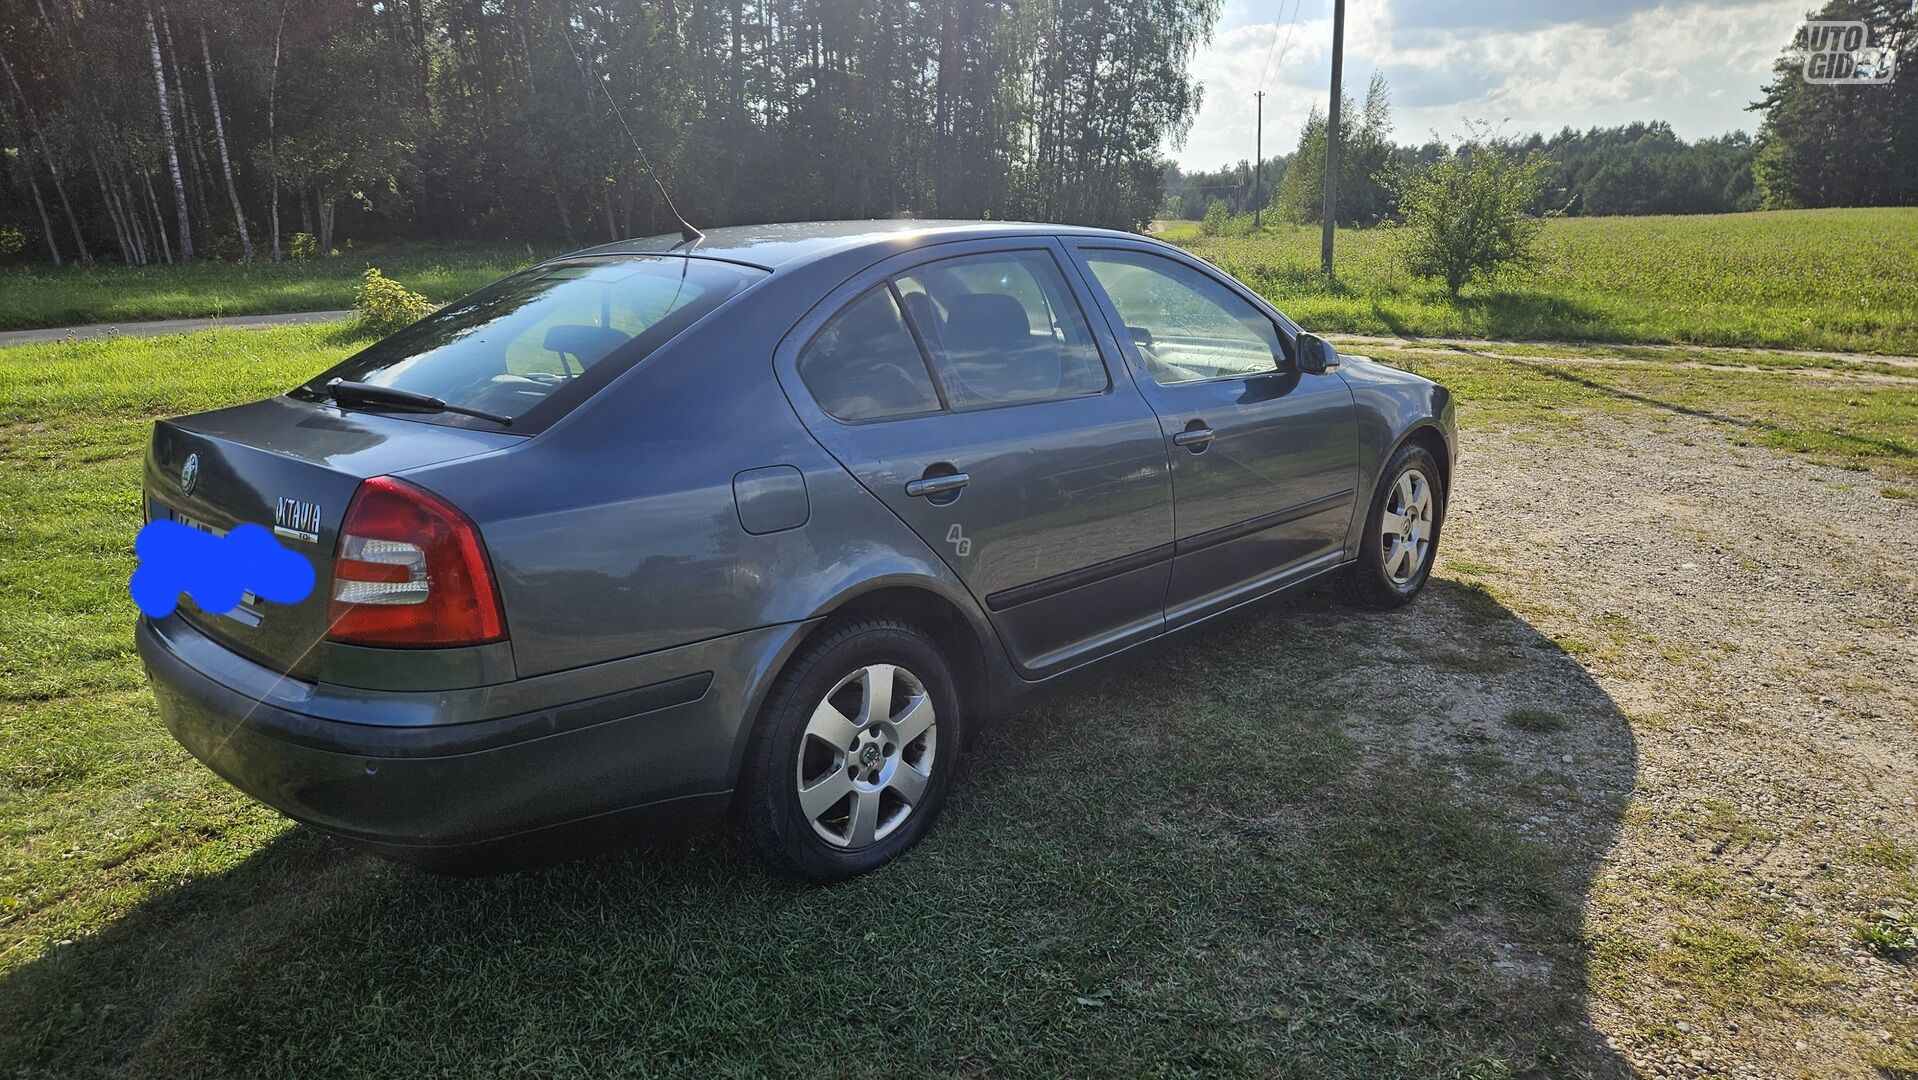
(1869, 369)
(1752, 617)
(1475, 344)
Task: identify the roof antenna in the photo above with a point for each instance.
(687, 234)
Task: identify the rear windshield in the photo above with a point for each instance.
(533, 346)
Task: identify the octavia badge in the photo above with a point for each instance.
(297, 519)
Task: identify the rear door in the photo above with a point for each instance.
(971, 395)
(1264, 457)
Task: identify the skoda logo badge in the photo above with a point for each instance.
(190, 474)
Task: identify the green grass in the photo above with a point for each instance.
(33, 297)
(1810, 279)
(1217, 877)
(1215, 880)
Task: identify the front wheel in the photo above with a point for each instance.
(854, 752)
(1401, 531)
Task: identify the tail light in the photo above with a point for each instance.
(411, 572)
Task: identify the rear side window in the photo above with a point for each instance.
(864, 365)
(1002, 328)
(536, 344)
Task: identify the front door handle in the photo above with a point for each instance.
(1193, 438)
(937, 485)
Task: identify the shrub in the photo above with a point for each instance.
(1465, 213)
(12, 240)
(302, 246)
(385, 305)
(220, 246)
(1215, 220)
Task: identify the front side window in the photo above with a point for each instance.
(545, 339)
(1186, 325)
(1002, 328)
(864, 364)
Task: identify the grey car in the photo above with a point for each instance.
(767, 522)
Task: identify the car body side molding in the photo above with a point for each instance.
(1212, 537)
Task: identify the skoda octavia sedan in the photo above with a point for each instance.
(766, 522)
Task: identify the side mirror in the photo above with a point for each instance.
(1316, 354)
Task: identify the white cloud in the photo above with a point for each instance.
(1696, 65)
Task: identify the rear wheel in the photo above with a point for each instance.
(1401, 531)
(854, 751)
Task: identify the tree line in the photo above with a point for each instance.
(1817, 145)
(167, 130)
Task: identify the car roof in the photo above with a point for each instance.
(788, 245)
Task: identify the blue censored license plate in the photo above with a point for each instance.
(248, 612)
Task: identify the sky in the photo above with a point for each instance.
(1523, 65)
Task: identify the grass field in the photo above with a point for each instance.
(41, 296)
(1217, 875)
(1806, 279)
(1813, 279)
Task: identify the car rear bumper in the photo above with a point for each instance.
(665, 750)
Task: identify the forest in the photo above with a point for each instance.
(169, 130)
(163, 131)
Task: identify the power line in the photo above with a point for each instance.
(1266, 71)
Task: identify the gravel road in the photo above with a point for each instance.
(1750, 616)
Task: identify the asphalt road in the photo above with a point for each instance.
(156, 327)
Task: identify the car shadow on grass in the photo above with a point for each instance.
(1305, 842)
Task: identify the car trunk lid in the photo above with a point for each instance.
(293, 467)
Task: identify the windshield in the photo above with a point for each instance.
(536, 344)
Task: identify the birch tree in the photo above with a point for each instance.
(226, 159)
(172, 149)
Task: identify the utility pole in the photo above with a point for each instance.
(1332, 139)
(1258, 163)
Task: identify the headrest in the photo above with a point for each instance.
(986, 321)
(589, 344)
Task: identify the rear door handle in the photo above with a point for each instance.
(937, 485)
(1193, 437)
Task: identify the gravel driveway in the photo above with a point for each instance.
(1750, 617)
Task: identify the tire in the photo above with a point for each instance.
(1380, 578)
(875, 780)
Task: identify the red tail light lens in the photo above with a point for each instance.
(411, 572)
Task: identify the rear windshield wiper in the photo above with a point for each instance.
(344, 392)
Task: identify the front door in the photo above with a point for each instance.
(1264, 456)
(972, 397)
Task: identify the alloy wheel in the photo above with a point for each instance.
(866, 759)
(1405, 528)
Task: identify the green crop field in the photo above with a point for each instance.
(1806, 279)
(33, 297)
